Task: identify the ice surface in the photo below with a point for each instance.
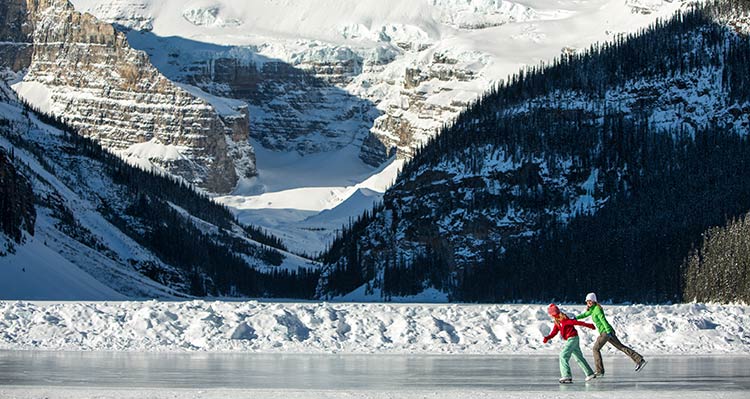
(393, 373)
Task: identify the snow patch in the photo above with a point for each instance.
(154, 149)
(35, 93)
(210, 13)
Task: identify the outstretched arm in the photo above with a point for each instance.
(585, 314)
(552, 334)
(583, 323)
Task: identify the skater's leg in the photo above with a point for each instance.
(598, 363)
(635, 356)
(567, 350)
(578, 356)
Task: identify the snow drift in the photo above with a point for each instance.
(357, 328)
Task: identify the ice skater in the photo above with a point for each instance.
(606, 334)
(566, 327)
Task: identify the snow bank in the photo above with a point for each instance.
(357, 328)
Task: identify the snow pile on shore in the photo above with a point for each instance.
(357, 328)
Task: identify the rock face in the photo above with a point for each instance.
(321, 97)
(15, 36)
(385, 88)
(293, 107)
(85, 72)
(430, 95)
(382, 75)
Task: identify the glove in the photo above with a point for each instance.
(545, 340)
(591, 326)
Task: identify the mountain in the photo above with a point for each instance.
(605, 166)
(385, 75)
(85, 71)
(334, 96)
(362, 83)
(78, 222)
(341, 92)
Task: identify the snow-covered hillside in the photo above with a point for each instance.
(357, 328)
(87, 241)
(353, 81)
(556, 150)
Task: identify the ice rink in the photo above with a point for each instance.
(40, 374)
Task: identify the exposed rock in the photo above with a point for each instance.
(15, 36)
(425, 103)
(295, 107)
(95, 81)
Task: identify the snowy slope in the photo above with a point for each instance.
(399, 70)
(77, 252)
(53, 265)
(357, 328)
(37, 272)
(475, 199)
(306, 199)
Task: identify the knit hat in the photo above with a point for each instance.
(591, 297)
(553, 310)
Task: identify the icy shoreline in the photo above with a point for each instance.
(274, 327)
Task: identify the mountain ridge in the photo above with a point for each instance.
(563, 151)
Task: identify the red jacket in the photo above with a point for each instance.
(568, 329)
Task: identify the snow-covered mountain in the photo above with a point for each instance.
(356, 82)
(84, 71)
(605, 166)
(383, 75)
(82, 224)
(334, 95)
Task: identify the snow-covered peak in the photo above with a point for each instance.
(211, 13)
(478, 14)
(646, 6)
(132, 14)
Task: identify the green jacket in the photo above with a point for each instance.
(597, 316)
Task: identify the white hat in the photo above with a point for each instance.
(591, 297)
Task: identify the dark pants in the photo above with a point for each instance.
(612, 339)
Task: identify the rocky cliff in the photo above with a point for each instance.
(15, 35)
(84, 71)
(381, 75)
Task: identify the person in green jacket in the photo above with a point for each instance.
(606, 335)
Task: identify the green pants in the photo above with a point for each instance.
(571, 348)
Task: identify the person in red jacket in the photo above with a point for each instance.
(566, 327)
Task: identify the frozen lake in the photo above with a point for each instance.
(200, 372)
